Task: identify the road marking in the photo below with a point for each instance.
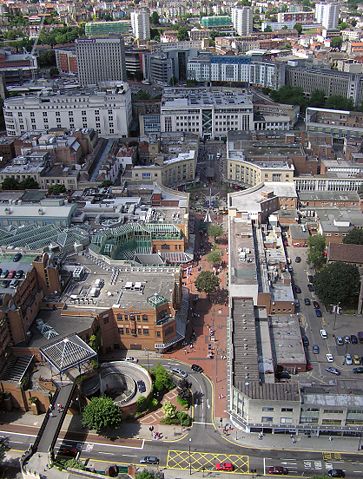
(106, 453)
(208, 405)
(203, 423)
(107, 445)
(357, 471)
(17, 433)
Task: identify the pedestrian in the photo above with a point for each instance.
(330, 438)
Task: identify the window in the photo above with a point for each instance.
(121, 330)
(267, 409)
(146, 332)
(158, 334)
(266, 419)
(145, 318)
(119, 317)
(333, 411)
(287, 409)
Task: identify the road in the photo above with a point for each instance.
(101, 156)
(207, 445)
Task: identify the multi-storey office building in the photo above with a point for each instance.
(140, 23)
(107, 111)
(339, 123)
(100, 59)
(242, 20)
(327, 14)
(209, 113)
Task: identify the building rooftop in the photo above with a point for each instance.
(328, 196)
(242, 253)
(347, 253)
(286, 336)
(179, 97)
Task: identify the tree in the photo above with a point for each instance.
(47, 59)
(10, 184)
(154, 18)
(207, 282)
(154, 34)
(184, 418)
(162, 379)
(290, 95)
(317, 98)
(355, 236)
(298, 27)
(337, 283)
(337, 102)
(169, 410)
(29, 184)
(106, 183)
(215, 230)
(101, 413)
(316, 249)
(336, 42)
(56, 189)
(53, 72)
(141, 404)
(145, 475)
(214, 257)
(268, 29)
(182, 34)
(342, 25)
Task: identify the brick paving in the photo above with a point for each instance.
(208, 315)
(155, 417)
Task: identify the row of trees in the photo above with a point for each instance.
(295, 96)
(12, 184)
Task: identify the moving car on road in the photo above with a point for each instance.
(336, 473)
(69, 451)
(316, 305)
(197, 368)
(179, 372)
(277, 470)
(149, 460)
(307, 301)
(318, 313)
(323, 334)
(316, 349)
(224, 466)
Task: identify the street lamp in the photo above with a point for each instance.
(190, 460)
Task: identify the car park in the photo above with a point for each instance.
(297, 289)
(339, 340)
(316, 305)
(332, 370)
(318, 313)
(329, 357)
(196, 368)
(353, 339)
(358, 370)
(149, 460)
(17, 257)
(277, 470)
(141, 386)
(316, 349)
(179, 372)
(307, 301)
(224, 466)
(336, 473)
(356, 360)
(297, 259)
(311, 287)
(323, 334)
(348, 359)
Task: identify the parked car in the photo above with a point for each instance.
(323, 334)
(149, 460)
(297, 259)
(336, 473)
(348, 359)
(19, 274)
(297, 289)
(311, 278)
(224, 466)
(14, 283)
(316, 349)
(17, 257)
(307, 301)
(353, 339)
(332, 370)
(329, 357)
(11, 274)
(356, 360)
(4, 273)
(197, 368)
(277, 470)
(131, 359)
(305, 341)
(179, 372)
(5, 284)
(316, 305)
(347, 339)
(339, 340)
(69, 451)
(358, 370)
(311, 287)
(318, 313)
(141, 386)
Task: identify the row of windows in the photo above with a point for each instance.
(132, 317)
(139, 331)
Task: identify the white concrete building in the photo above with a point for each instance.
(209, 113)
(327, 14)
(100, 59)
(108, 111)
(242, 20)
(140, 24)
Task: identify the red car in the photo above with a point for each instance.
(69, 451)
(224, 466)
(277, 470)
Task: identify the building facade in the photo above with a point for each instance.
(100, 29)
(210, 114)
(327, 14)
(242, 20)
(140, 24)
(100, 59)
(108, 112)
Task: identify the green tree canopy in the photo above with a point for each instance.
(162, 379)
(337, 102)
(154, 18)
(169, 410)
(182, 34)
(10, 184)
(207, 282)
(215, 230)
(337, 283)
(336, 42)
(101, 413)
(145, 475)
(316, 249)
(141, 404)
(29, 184)
(214, 257)
(355, 236)
(289, 95)
(317, 98)
(298, 27)
(268, 29)
(56, 189)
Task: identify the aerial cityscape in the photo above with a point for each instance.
(181, 239)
